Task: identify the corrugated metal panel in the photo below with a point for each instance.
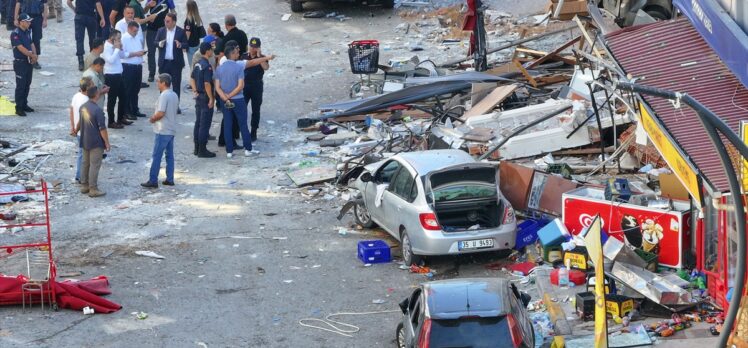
(673, 56)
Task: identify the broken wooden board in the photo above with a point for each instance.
(553, 53)
(312, 175)
(525, 73)
(490, 101)
(480, 90)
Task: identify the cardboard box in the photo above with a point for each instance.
(672, 188)
(570, 9)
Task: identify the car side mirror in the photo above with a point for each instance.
(404, 305)
(525, 297)
(365, 177)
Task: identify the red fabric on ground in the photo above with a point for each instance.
(70, 294)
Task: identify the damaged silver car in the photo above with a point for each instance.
(437, 202)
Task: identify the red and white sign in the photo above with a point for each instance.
(663, 232)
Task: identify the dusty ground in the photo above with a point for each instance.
(247, 256)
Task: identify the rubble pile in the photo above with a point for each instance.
(568, 144)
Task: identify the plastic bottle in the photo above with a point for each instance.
(563, 277)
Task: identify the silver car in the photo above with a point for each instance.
(436, 202)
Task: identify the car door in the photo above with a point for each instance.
(381, 176)
(415, 311)
(398, 210)
(519, 311)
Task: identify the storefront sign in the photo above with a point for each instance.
(674, 158)
(721, 32)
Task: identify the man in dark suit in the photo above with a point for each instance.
(172, 43)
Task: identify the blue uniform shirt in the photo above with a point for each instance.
(20, 37)
(86, 7)
(32, 7)
(202, 73)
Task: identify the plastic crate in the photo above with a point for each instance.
(374, 251)
(650, 258)
(527, 232)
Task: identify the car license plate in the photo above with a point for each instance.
(475, 244)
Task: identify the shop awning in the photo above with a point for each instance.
(672, 55)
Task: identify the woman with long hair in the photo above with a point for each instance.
(193, 28)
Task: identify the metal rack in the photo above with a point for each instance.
(40, 269)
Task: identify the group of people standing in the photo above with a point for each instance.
(226, 72)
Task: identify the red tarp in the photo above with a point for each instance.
(70, 293)
(469, 24)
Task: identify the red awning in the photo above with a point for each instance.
(672, 55)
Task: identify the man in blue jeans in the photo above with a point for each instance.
(164, 122)
(229, 78)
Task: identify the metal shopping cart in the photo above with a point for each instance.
(364, 58)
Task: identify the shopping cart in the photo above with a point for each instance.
(364, 58)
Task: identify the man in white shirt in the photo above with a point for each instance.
(113, 55)
(113, 78)
(79, 99)
(130, 17)
(132, 68)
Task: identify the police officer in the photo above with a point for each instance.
(85, 21)
(253, 86)
(201, 82)
(24, 57)
(38, 11)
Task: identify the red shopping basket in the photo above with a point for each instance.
(364, 56)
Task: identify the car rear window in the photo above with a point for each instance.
(464, 190)
(470, 332)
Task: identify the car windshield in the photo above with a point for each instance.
(471, 332)
(464, 190)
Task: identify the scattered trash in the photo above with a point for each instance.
(140, 315)
(149, 253)
(88, 310)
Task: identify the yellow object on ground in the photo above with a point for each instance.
(7, 107)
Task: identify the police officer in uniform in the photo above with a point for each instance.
(24, 57)
(38, 11)
(201, 82)
(85, 21)
(253, 85)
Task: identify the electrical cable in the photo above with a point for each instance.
(339, 327)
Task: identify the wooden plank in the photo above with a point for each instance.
(312, 175)
(586, 35)
(503, 69)
(553, 53)
(480, 90)
(531, 52)
(526, 74)
(490, 101)
(549, 80)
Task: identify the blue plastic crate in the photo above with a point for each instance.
(527, 232)
(374, 251)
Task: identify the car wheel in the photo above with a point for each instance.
(297, 6)
(408, 257)
(362, 216)
(400, 338)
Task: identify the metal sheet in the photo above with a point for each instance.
(650, 285)
(672, 55)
